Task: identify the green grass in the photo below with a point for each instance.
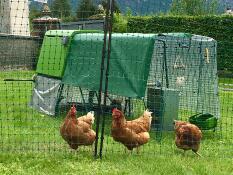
(116, 164)
(226, 80)
(30, 143)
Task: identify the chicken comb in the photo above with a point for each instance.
(73, 107)
(114, 109)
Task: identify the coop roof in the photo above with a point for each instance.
(68, 32)
(54, 51)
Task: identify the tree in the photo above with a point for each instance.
(86, 9)
(213, 8)
(128, 12)
(34, 13)
(194, 7)
(61, 8)
(116, 7)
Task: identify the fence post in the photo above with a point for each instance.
(99, 113)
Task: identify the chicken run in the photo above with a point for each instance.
(153, 79)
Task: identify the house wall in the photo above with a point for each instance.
(14, 17)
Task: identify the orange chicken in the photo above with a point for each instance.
(188, 136)
(78, 131)
(131, 134)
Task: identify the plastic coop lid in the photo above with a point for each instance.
(54, 51)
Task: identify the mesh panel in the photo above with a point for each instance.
(65, 59)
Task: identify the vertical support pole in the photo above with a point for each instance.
(83, 99)
(101, 80)
(164, 69)
(59, 98)
(199, 76)
(111, 6)
(129, 106)
(165, 63)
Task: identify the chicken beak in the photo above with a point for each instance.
(73, 110)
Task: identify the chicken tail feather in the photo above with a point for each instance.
(147, 113)
(91, 115)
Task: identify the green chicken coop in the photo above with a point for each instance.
(172, 74)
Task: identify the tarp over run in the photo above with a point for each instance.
(129, 66)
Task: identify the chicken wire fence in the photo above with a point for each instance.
(46, 69)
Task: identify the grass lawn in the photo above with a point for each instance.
(116, 164)
(30, 143)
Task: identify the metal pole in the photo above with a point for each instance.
(165, 62)
(11, 79)
(200, 75)
(101, 80)
(111, 6)
(164, 69)
(83, 99)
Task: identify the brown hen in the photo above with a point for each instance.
(131, 134)
(188, 136)
(78, 131)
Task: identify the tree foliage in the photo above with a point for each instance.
(61, 8)
(194, 7)
(86, 8)
(116, 6)
(34, 13)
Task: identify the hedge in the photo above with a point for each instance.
(218, 27)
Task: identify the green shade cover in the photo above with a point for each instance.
(131, 55)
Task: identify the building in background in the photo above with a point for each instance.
(14, 17)
(42, 24)
(229, 11)
(84, 25)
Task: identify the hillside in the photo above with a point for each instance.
(140, 6)
(145, 6)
